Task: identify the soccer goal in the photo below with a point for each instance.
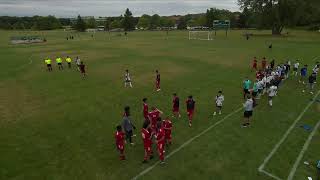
(200, 35)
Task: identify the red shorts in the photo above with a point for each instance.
(175, 109)
(254, 66)
(120, 147)
(168, 136)
(190, 112)
(147, 146)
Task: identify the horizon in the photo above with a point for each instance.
(110, 8)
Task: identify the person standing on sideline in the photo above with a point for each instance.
(254, 64)
(246, 87)
(48, 63)
(157, 81)
(127, 79)
(248, 111)
(219, 102)
(69, 60)
(78, 63)
(82, 68)
(59, 62)
(176, 106)
(128, 125)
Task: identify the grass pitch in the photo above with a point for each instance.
(58, 126)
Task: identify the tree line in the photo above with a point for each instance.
(261, 14)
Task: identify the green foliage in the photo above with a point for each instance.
(154, 21)
(36, 22)
(115, 24)
(182, 23)
(144, 21)
(91, 23)
(128, 21)
(80, 24)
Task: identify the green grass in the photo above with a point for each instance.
(57, 126)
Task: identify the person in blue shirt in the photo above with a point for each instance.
(303, 74)
(246, 87)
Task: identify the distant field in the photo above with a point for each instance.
(57, 126)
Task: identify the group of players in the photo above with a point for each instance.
(157, 131)
(59, 61)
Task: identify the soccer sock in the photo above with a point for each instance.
(270, 102)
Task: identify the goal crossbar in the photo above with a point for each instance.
(200, 35)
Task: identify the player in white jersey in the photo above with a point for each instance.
(260, 86)
(296, 68)
(127, 79)
(316, 69)
(272, 91)
(219, 103)
(78, 63)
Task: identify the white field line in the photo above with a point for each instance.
(270, 175)
(304, 149)
(186, 144)
(284, 137)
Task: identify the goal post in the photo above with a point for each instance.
(200, 35)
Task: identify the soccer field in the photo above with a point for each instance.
(57, 126)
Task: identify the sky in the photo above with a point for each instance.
(71, 8)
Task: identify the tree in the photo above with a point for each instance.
(91, 23)
(144, 21)
(80, 24)
(182, 24)
(155, 21)
(275, 14)
(115, 24)
(128, 21)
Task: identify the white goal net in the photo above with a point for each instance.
(200, 35)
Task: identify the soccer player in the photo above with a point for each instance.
(119, 136)
(127, 79)
(295, 68)
(219, 102)
(167, 125)
(190, 109)
(255, 92)
(272, 91)
(176, 106)
(78, 63)
(248, 111)
(303, 74)
(128, 125)
(154, 115)
(316, 69)
(246, 87)
(312, 82)
(48, 63)
(160, 136)
(147, 141)
(69, 60)
(157, 81)
(82, 68)
(255, 64)
(145, 109)
(263, 63)
(59, 62)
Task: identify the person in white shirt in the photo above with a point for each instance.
(296, 68)
(272, 92)
(78, 63)
(219, 103)
(260, 86)
(127, 79)
(316, 69)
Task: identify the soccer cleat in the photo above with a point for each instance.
(134, 135)
(132, 144)
(162, 162)
(190, 124)
(311, 92)
(244, 125)
(214, 113)
(220, 113)
(303, 91)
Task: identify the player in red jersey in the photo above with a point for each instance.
(190, 109)
(264, 63)
(83, 69)
(145, 109)
(157, 81)
(119, 136)
(255, 64)
(147, 141)
(176, 106)
(153, 117)
(167, 125)
(160, 141)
